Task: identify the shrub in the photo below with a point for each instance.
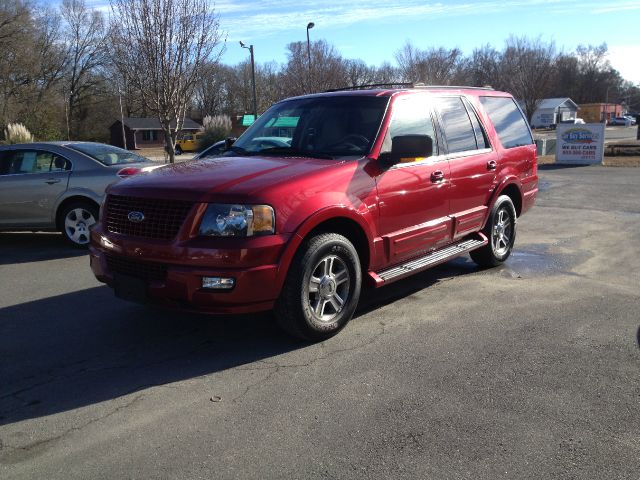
(216, 128)
(17, 133)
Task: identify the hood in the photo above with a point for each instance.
(201, 180)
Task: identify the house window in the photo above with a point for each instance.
(150, 135)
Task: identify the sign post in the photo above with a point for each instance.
(580, 144)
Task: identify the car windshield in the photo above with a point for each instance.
(106, 154)
(320, 127)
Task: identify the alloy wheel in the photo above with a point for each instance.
(328, 288)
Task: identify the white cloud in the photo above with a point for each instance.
(620, 6)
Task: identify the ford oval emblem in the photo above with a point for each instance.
(135, 217)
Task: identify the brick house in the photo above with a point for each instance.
(144, 132)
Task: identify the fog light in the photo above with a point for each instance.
(218, 283)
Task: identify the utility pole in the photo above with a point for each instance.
(253, 80)
(310, 25)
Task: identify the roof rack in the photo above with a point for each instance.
(406, 85)
(373, 85)
(453, 87)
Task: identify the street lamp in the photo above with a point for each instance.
(310, 25)
(253, 80)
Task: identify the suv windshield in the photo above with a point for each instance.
(322, 127)
(106, 154)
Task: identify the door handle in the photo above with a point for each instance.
(437, 176)
(51, 181)
(491, 165)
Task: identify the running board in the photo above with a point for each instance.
(431, 259)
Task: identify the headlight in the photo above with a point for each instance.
(222, 220)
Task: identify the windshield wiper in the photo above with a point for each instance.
(294, 151)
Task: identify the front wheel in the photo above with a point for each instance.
(322, 288)
(76, 218)
(501, 232)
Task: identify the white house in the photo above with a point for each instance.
(552, 111)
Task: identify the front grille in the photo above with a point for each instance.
(144, 270)
(162, 218)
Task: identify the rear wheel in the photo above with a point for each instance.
(501, 232)
(76, 218)
(322, 288)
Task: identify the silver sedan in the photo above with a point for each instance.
(60, 185)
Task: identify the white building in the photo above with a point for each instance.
(552, 111)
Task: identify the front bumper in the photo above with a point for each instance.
(173, 272)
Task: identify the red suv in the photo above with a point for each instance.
(322, 193)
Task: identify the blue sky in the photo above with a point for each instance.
(374, 29)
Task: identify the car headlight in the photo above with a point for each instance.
(225, 220)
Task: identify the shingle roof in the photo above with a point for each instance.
(154, 124)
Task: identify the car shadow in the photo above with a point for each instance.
(406, 287)
(85, 347)
(68, 351)
(20, 247)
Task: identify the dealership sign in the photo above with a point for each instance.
(580, 144)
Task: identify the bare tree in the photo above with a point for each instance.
(15, 19)
(328, 69)
(85, 40)
(359, 73)
(161, 47)
(527, 70)
(211, 89)
(31, 63)
(484, 66)
(387, 73)
(435, 66)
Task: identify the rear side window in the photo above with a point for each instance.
(508, 121)
(457, 125)
(32, 161)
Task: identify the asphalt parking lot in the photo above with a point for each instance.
(530, 370)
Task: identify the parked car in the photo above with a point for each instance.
(571, 121)
(620, 121)
(60, 185)
(214, 150)
(574, 121)
(188, 142)
(631, 118)
(372, 186)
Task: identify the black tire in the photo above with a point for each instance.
(501, 235)
(75, 220)
(312, 315)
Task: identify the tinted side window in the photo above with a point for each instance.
(31, 161)
(508, 121)
(26, 161)
(481, 136)
(411, 116)
(457, 125)
(5, 162)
